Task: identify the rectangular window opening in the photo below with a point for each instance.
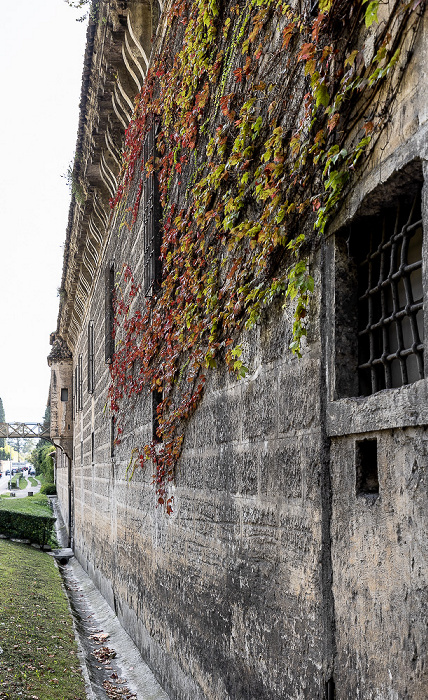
(390, 303)
(112, 422)
(91, 364)
(367, 478)
(379, 291)
(80, 384)
(93, 447)
(156, 400)
(151, 216)
(109, 313)
(64, 394)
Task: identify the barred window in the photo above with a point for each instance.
(80, 384)
(390, 297)
(91, 365)
(157, 398)
(151, 216)
(78, 396)
(76, 390)
(112, 428)
(109, 312)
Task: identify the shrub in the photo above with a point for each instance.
(37, 528)
(48, 489)
(14, 481)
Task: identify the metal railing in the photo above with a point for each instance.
(24, 430)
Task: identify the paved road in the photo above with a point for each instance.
(4, 481)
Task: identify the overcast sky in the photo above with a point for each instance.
(41, 52)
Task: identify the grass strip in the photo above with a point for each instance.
(34, 505)
(39, 652)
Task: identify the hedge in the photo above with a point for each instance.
(48, 489)
(14, 482)
(36, 528)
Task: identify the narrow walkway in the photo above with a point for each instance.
(19, 493)
(114, 667)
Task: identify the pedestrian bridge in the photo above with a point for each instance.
(24, 430)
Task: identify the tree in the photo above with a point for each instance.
(5, 452)
(42, 461)
(24, 446)
(40, 456)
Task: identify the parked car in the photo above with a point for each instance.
(7, 472)
(31, 472)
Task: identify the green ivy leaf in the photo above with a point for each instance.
(371, 13)
(321, 95)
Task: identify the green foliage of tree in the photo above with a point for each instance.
(5, 452)
(23, 446)
(42, 461)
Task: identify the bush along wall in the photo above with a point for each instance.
(37, 528)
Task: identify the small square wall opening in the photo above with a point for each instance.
(367, 478)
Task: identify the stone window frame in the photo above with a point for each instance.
(347, 413)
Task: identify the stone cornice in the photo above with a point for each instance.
(119, 43)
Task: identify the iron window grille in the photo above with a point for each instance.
(109, 312)
(80, 384)
(91, 365)
(76, 390)
(112, 428)
(151, 216)
(157, 398)
(390, 303)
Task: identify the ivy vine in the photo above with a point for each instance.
(266, 113)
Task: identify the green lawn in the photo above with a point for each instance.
(34, 505)
(39, 653)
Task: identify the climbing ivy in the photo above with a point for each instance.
(265, 115)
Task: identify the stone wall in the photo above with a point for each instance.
(226, 596)
(276, 576)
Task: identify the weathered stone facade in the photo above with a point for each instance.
(277, 575)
